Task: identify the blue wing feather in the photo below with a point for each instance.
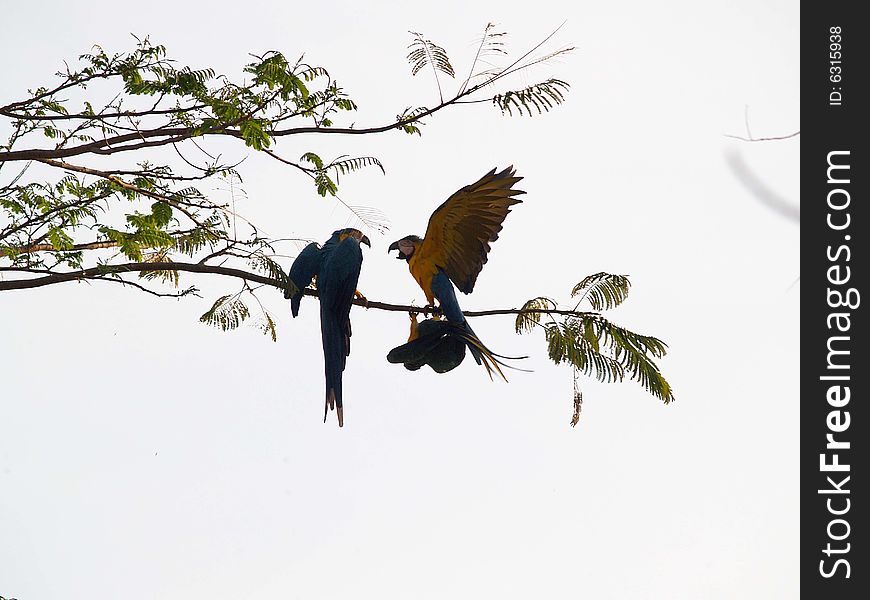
(304, 269)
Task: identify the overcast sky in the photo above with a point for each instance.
(145, 455)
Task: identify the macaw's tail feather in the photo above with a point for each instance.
(335, 349)
(486, 357)
(331, 405)
(490, 352)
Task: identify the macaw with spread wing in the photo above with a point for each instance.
(336, 265)
(455, 248)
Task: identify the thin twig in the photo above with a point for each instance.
(191, 291)
(764, 139)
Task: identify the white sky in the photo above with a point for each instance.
(144, 455)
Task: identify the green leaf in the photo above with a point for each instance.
(254, 135)
(228, 312)
(409, 120)
(267, 326)
(526, 321)
(325, 185)
(161, 213)
(603, 290)
(343, 165)
(541, 97)
(59, 239)
(264, 264)
(312, 158)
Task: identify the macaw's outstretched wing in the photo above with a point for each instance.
(460, 230)
(336, 284)
(304, 269)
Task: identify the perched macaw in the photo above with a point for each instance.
(336, 265)
(456, 245)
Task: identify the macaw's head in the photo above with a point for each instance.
(355, 234)
(406, 246)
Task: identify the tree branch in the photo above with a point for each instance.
(49, 248)
(96, 245)
(191, 291)
(763, 139)
(91, 117)
(99, 273)
(172, 135)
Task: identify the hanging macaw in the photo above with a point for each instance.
(336, 265)
(441, 344)
(455, 248)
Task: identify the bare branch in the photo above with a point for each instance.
(191, 291)
(764, 139)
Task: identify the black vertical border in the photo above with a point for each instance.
(827, 127)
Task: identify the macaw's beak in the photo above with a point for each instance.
(365, 240)
(395, 246)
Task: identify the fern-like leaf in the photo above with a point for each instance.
(603, 290)
(228, 312)
(598, 348)
(491, 44)
(345, 164)
(171, 277)
(264, 264)
(425, 52)
(190, 243)
(526, 321)
(322, 181)
(371, 217)
(566, 343)
(541, 97)
(266, 325)
(635, 352)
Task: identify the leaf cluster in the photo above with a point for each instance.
(541, 97)
(424, 52)
(227, 312)
(150, 207)
(592, 344)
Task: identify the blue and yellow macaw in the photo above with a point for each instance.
(455, 248)
(336, 265)
(441, 344)
(431, 343)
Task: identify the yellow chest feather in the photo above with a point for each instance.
(423, 271)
